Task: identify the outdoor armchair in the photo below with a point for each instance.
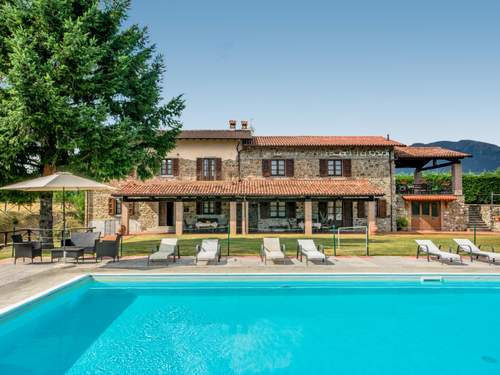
(108, 248)
(27, 250)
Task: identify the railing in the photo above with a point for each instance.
(30, 234)
(423, 189)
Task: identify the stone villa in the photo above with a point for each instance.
(219, 179)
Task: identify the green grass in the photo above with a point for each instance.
(353, 244)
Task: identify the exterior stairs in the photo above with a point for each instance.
(476, 220)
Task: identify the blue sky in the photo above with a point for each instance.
(418, 70)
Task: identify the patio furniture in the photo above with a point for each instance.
(429, 248)
(108, 248)
(475, 251)
(24, 250)
(309, 249)
(271, 249)
(86, 240)
(72, 252)
(208, 250)
(166, 249)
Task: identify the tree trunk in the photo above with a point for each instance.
(46, 220)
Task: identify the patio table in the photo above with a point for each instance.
(73, 252)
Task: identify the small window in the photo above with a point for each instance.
(118, 206)
(209, 169)
(167, 166)
(277, 167)
(426, 208)
(415, 208)
(334, 167)
(277, 209)
(435, 209)
(335, 210)
(208, 208)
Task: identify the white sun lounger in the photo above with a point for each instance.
(271, 249)
(475, 251)
(208, 250)
(308, 249)
(167, 248)
(428, 247)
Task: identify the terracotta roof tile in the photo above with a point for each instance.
(252, 188)
(412, 152)
(430, 198)
(315, 141)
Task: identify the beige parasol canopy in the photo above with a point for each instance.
(59, 181)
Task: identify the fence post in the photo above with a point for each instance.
(367, 242)
(228, 238)
(334, 243)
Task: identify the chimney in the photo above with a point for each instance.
(244, 125)
(232, 124)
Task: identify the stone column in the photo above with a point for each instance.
(244, 218)
(124, 219)
(232, 218)
(417, 177)
(372, 217)
(456, 178)
(179, 217)
(308, 218)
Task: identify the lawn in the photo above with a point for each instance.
(353, 244)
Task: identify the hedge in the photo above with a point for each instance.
(477, 187)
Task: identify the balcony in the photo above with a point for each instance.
(423, 189)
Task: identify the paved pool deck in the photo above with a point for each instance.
(23, 280)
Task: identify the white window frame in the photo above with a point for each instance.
(278, 167)
(208, 169)
(334, 167)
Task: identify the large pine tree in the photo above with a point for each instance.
(79, 91)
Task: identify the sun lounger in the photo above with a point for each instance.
(208, 250)
(271, 249)
(167, 248)
(475, 251)
(428, 247)
(308, 249)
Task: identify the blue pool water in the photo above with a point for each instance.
(258, 325)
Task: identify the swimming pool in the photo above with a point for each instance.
(285, 324)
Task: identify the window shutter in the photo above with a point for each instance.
(175, 167)
(347, 213)
(264, 210)
(218, 169)
(131, 208)
(290, 210)
(111, 206)
(218, 208)
(289, 168)
(266, 167)
(323, 167)
(199, 208)
(346, 168)
(361, 209)
(199, 169)
(381, 208)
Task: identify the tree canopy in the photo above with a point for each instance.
(80, 90)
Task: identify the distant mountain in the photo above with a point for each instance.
(485, 156)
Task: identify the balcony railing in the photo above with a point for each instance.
(423, 189)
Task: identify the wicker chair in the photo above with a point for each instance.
(27, 250)
(108, 248)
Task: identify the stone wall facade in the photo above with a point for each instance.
(455, 215)
(490, 213)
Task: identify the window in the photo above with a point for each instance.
(208, 208)
(277, 209)
(426, 208)
(334, 167)
(209, 169)
(415, 208)
(277, 167)
(435, 209)
(335, 210)
(118, 207)
(167, 167)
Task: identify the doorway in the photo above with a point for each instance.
(166, 214)
(425, 215)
